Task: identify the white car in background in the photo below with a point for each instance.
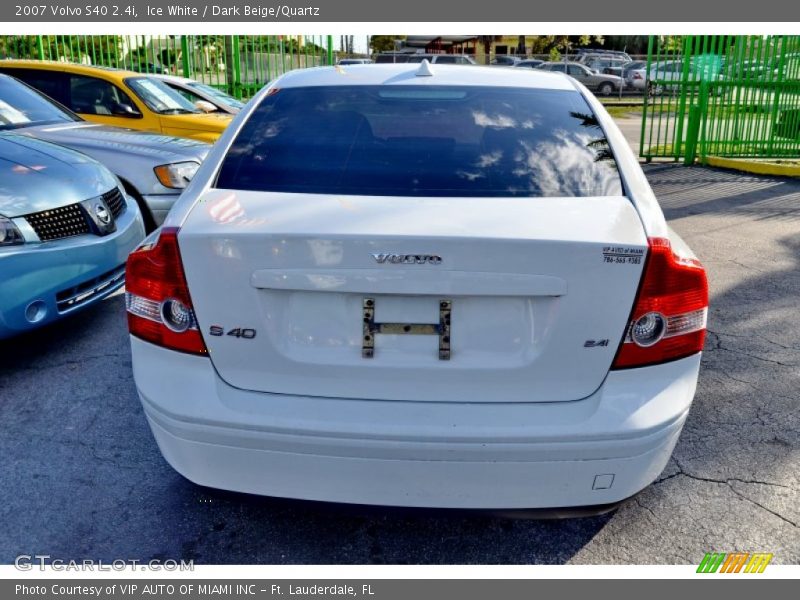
(205, 97)
(661, 75)
(422, 286)
(343, 62)
(661, 71)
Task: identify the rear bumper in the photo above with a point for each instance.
(599, 450)
(64, 276)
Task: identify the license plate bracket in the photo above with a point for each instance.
(371, 328)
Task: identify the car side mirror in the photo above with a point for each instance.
(123, 110)
(205, 106)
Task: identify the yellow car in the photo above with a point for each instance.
(117, 97)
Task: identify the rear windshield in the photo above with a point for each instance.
(422, 141)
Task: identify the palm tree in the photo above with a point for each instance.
(521, 50)
(486, 42)
(600, 145)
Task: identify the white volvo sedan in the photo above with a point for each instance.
(419, 285)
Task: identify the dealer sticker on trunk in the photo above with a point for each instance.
(621, 255)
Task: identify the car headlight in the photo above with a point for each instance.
(9, 234)
(176, 175)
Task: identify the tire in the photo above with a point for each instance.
(149, 221)
(654, 90)
(605, 89)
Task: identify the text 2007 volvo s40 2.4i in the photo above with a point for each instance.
(419, 285)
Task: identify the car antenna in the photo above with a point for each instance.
(424, 69)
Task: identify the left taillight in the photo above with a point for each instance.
(157, 298)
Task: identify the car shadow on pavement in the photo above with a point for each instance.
(254, 529)
(61, 340)
(686, 191)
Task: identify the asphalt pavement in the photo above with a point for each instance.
(83, 478)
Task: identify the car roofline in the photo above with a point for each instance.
(389, 74)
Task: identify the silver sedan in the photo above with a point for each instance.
(603, 84)
(153, 168)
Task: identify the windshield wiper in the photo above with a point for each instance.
(178, 111)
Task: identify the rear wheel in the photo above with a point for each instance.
(654, 89)
(606, 89)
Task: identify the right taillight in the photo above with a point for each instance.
(157, 296)
(668, 320)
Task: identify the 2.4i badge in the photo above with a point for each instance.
(595, 343)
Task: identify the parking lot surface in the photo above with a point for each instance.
(83, 478)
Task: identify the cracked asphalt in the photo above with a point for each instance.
(82, 477)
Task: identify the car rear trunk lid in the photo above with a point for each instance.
(538, 293)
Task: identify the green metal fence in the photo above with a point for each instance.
(732, 96)
(240, 64)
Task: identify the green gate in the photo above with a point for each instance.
(240, 64)
(730, 96)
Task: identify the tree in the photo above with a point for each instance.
(553, 45)
(565, 43)
(632, 44)
(19, 46)
(487, 41)
(383, 43)
(96, 49)
(521, 50)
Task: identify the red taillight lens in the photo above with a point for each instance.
(669, 317)
(637, 75)
(157, 297)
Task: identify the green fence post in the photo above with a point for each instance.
(680, 115)
(237, 68)
(330, 49)
(185, 55)
(776, 95)
(697, 115)
(645, 99)
(40, 47)
(692, 131)
(701, 120)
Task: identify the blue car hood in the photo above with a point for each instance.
(36, 175)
